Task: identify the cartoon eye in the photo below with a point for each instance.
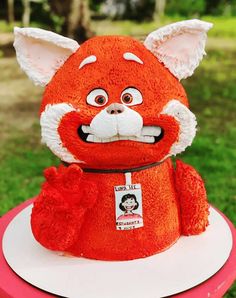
(97, 98)
(131, 96)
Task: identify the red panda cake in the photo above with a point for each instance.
(114, 112)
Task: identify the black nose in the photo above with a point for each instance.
(115, 108)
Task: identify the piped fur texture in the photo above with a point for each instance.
(41, 53)
(180, 46)
(49, 122)
(187, 122)
(114, 104)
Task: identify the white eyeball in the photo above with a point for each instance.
(131, 97)
(97, 98)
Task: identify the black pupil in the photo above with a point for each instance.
(100, 100)
(127, 98)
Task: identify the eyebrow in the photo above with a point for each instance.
(88, 60)
(132, 57)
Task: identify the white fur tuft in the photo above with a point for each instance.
(49, 121)
(187, 122)
(41, 53)
(128, 123)
(88, 60)
(132, 57)
(180, 46)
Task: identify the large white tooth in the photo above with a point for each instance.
(104, 140)
(90, 138)
(151, 131)
(97, 140)
(132, 138)
(123, 138)
(143, 139)
(146, 139)
(149, 139)
(86, 129)
(108, 140)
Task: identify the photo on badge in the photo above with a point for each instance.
(129, 213)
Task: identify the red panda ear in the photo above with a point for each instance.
(180, 46)
(40, 53)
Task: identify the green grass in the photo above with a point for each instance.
(223, 27)
(212, 94)
(23, 163)
(5, 27)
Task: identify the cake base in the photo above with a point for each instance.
(186, 264)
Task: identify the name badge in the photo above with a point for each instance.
(129, 211)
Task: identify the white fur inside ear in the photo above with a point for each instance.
(41, 53)
(50, 120)
(180, 46)
(187, 123)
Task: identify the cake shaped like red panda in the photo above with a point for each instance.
(114, 111)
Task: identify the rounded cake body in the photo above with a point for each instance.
(115, 103)
(99, 238)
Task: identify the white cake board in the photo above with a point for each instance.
(186, 264)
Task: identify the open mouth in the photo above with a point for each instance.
(129, 207)
(149, 134)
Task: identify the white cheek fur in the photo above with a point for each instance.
(106, 126)
(49, 121)
(187, 122)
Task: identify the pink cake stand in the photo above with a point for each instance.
(11, 285)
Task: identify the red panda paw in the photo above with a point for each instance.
(64, 178)
(69, 182)
(55, 224)
(61, 206)
(192, 198)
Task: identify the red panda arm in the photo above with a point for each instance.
(59, 210)
(193, 199)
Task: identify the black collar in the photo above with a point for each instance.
(129, 170)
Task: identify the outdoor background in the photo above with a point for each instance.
(211, 90)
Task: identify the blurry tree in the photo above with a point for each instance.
(72, 17)
(43, 16)
(26, 13)
(95, 4)
(114, 9)
(187, 8)
(159, 8)
(128, 9)
(76, 16)
(146, 9)
(211, 5)
(221, 7)
(10, 8)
